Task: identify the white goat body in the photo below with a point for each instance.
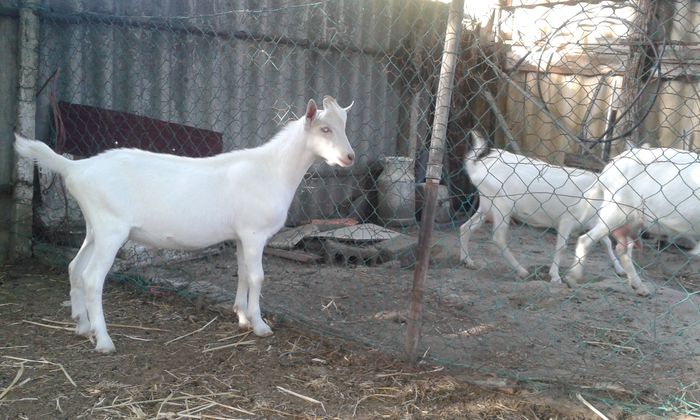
(656, 188)
(531, 191)
(168, 201)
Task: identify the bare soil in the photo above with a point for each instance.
(598, 338)
(494, 346)
(216, 372)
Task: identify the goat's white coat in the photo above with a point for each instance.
(656, 188)
(168, 201)
(533, 192)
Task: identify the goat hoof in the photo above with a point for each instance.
(642, 291)
(470, 264)
(244, 325)
(262, 331)
(82, 328)
(83, 331)
(555, 280)
(105, 347)
(571, 281)
(523, 274)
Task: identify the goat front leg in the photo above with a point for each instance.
(241, 304)
(252, 254)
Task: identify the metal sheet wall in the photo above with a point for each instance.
(237, 67)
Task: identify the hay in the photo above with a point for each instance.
(193, 332)
(14, 381)
(44, 361)
(303, 397)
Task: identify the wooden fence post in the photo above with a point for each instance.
(23, 191)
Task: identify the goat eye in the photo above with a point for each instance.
(325, 130)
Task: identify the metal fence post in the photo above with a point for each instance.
(450, 53)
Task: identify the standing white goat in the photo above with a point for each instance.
(531, 191)
(657, 188)
(168, 201)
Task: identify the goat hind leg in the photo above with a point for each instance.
(500, 237)
(583, 247)
(465, 232)
(104, 252)
(609, 219)
(613, 257)
(627, 263)
(77, 294)
(252, 253)
(563, 233)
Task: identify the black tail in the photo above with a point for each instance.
(480, 145)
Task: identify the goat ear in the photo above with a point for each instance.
(311, 110)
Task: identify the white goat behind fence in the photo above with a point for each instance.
(168, 201)
(655, 188)
(531, 191)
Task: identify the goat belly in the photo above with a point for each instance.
(191, 240)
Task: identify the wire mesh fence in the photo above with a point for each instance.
(537, 86)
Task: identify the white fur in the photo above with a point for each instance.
(533, 192)
(168, 201)
(657, 188)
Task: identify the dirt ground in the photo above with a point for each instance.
(215, 372)
(601, 339)
(494, 346)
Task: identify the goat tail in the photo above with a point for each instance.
(594, 192)
(480, 145)
(41, 154)
(593, 198)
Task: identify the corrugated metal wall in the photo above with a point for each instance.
(8, 94)
(237, 67)
(8, 114)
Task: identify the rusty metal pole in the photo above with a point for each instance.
(450, 54)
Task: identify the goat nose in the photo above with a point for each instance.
(351, 156)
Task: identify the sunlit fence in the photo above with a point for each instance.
(568, 84)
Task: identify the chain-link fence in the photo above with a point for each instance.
(568, 83)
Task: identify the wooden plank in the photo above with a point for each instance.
(90, 130)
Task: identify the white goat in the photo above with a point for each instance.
(531, 191)
(657, 188)
(168, 201)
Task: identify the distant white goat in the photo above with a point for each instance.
(656, 188)
(531, 191)
(168, 201)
